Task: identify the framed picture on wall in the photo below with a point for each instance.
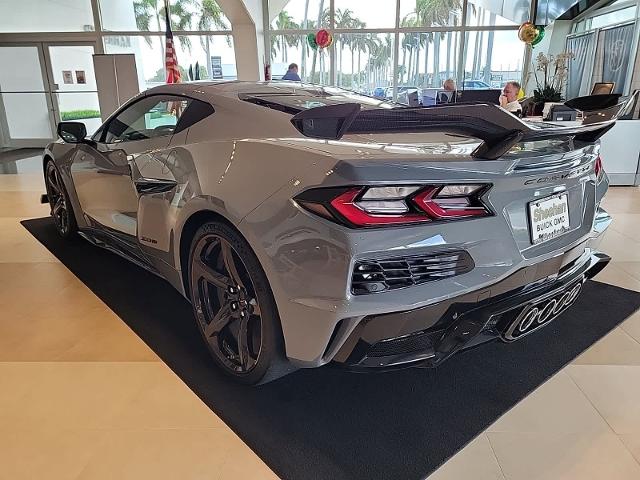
(67, 77)
(81, 77)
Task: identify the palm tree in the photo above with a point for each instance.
(152, 11)
(436, 13)
(211, 18)
(359, 43)
(284, 21)
(323, 15)
(408, 43)
(305, 45)
(343, 19)
(381, 54)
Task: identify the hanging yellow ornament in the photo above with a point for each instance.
(527, 32)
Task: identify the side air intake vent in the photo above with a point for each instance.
(374, 276)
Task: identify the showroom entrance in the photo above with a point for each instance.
(41, 84)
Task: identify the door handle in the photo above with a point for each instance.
(145, 186)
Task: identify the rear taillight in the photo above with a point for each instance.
(598, 168)
(377, 206)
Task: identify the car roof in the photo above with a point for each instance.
(275, 94)
(235, 87)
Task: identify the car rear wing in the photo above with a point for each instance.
(498, 129)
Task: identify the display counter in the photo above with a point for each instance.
(620, 153)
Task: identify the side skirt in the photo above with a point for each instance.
(127, 249)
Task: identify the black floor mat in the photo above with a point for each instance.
(330, 424)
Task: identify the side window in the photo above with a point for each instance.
(150, 117)
(196, 111)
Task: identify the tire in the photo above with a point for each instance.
(234, 307)
(61, 208)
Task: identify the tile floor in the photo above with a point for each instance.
(75, 407)
(72, 407)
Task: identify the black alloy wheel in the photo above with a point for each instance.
(61, 209)
(232, 303)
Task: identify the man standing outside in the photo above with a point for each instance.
(292, 73)
(509, 98)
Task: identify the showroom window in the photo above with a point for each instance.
(301, 14)
(615, 12)
(363, 61)
(389, 48)
(493, 57)
(428, 59)
(192, 52)
(481, 17)
(187, 15)
(200, 56)
(425, 14)
(364, 14)
(289, 48)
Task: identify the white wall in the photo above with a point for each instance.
(45, 15)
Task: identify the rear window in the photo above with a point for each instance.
(300, 99)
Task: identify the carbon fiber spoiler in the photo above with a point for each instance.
(498, 129)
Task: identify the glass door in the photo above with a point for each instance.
(26, 110)
(72, 79)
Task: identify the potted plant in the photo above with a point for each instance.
(550, 74)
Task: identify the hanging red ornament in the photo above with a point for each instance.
(323, 38)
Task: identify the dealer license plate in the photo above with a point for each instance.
(548, 218)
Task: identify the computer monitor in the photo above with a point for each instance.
(603, 88)
(480, 96)
(445, 96)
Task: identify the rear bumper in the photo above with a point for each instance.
(462, 321)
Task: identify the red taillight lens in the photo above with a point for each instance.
(392, 205)
(598, 168)
(440, 206)
(356, 214)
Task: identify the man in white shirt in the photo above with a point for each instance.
(509, 98)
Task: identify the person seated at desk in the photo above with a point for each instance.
(292, 73)
(509, 98)
(449, 90)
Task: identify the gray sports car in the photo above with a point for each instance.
(309, 224)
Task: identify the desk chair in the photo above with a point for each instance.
(603, 88)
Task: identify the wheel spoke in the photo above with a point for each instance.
(243, 341)
(52, 181)
(54, 188)
(222, 318)
(230, 264)
(210, 275)
(58, 207)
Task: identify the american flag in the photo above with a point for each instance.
(171, 61)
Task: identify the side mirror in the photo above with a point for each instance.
(72, 132)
